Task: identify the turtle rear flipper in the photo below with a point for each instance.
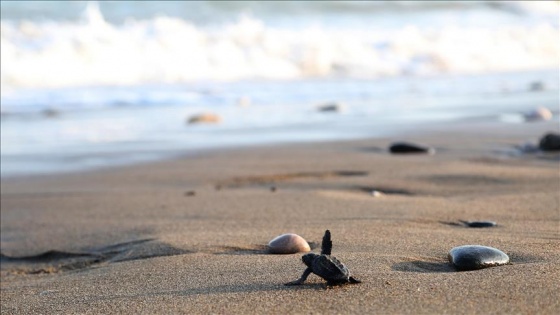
(326, 245)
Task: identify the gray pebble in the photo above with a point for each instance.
(330, 107)
(409, 148)
(473, 257)
(479, 224)
(550, 142)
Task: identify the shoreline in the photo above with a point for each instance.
(116, 135)
(186, 235)
(125, 159)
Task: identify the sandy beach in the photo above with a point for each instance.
(189, 235)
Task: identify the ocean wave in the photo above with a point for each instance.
(167, 49)
(211, 12)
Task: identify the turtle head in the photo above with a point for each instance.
(308, 259)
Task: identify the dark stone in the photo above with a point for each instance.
(330, 107)
(550, 142)
(536, 86)
(479, 224)
(50, 112)
(190, 193)
(406, 148)
(473, 257)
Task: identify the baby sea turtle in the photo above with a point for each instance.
(325, 266)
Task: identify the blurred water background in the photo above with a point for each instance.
(91, 84)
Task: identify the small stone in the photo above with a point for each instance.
(244, 101)
(50, 113)
(479, 224)
(288, 244)
(550, 142)
(473, 257)
(538, 114)
(330, 108)
(536, 86)
(377, 193)
(273, 188)
(528, 147)
(190, 193)
(207, 118)
(407, 148)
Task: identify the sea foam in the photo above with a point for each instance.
(165, 49)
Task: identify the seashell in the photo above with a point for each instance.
(538, 114)
(244, 101)
(288, 244)
(204, 118)
(377, 193)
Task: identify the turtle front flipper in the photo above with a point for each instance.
(326, 245)
(354, 280)
(302, 279)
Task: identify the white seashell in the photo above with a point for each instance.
(377, 193)
(244, 101)
(288, 244)
(538, 114)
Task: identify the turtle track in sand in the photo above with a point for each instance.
(54, 261)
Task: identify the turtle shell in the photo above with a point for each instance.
(330, 269)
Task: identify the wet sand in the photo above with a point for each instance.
(189, 235)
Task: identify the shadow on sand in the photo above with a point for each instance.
(423, 266)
